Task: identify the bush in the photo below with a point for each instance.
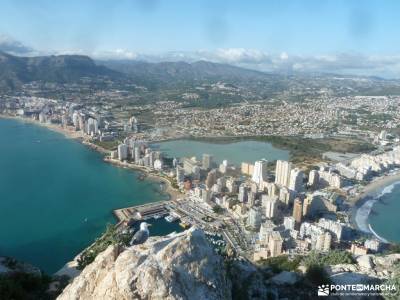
(110, 237)
(317, 275)
(334, 257)
(217, 209)
(281, 263)
(23, 286)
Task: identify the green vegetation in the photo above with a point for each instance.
(110, 237)
(108, 145)
(316, 275)
(24, 286)
(334, 257)
(281, 263)
(394, 248)
(217, 209)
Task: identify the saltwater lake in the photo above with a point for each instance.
(235, 152)
(56, 195)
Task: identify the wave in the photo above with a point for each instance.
(377, 235)
(363, 212)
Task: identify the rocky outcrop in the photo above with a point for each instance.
(368, 268)
(178, 266)
(10, 266)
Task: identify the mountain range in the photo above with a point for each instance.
(17, 70)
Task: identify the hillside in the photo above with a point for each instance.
(15, 70)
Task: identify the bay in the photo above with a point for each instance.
(57, 196)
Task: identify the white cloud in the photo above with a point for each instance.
(341, 63)
(9, 45)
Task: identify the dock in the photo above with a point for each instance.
(142, 212)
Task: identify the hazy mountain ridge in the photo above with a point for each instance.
(15, 70)
(181, 77)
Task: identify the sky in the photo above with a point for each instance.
(308, 35)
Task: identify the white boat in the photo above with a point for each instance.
(171, 218)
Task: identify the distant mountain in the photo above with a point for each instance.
(15, 70)
(173, 73)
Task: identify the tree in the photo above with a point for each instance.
(217, 209)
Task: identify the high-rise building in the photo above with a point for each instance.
(251, 198)
(196, 172)
(289, 223)
(247, 169)
(232, 185)
(313, 179)
(222, 182)
(122, 151)
(207, 161)
(285, 195)
(260, 171)
(271, 188)
(265, 231)
(282, 172)
(275, 244)
(211, 178)
(242, 196)
(254, 218)
(180, 174)
(271, 206)
(323, 242)
(296, 180)
(137, 154)
(188, 165)
(297, 210)
(206, 195)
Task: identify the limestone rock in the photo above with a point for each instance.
(285, 278)
(365, 262)
(179, 266)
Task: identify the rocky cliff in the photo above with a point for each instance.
(179, 266)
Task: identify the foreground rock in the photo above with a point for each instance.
(367, 269)
(180, 266)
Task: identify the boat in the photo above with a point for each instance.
(184, 225)
(171, 218)
(156, 217)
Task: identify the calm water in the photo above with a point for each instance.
(56, 195)
(235, 152)
(384, 218)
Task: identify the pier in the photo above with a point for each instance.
(142, 212)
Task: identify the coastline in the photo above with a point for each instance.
(365, 200)
(70, 267)
(80, 137)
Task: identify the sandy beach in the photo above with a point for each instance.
(173, 193)
(372, 188)
(365, 200)
(71, 133)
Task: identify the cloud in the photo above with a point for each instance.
(340, 63)
(9, 45)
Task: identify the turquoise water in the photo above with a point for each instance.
(235, 152)
(384, 218)
(56, 195)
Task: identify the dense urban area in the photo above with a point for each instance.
(258, 211)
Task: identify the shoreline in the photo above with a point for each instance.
(363, 203)
(70, 267)
(80, 137)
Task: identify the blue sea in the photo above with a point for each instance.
(384, 218)
(57, 196)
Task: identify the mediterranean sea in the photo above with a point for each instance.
(384, 215)
(57, 196)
